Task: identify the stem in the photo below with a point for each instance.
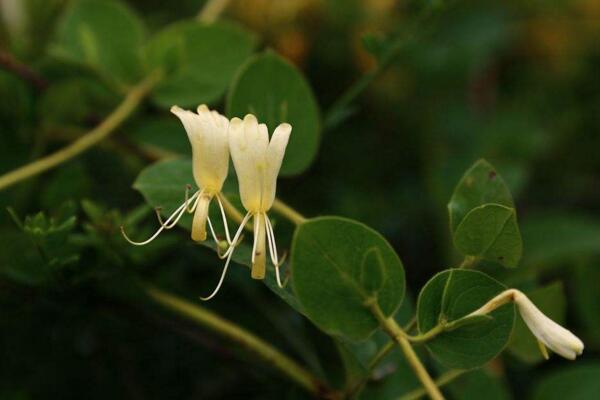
(11, 64)
(211, 10)
(443, 380)
(264, 350)
(93, 137)
(469, 262)
(424, 337)
(339, 109)
(391, 327)
(288, 212)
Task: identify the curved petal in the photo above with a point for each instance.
(208, 134)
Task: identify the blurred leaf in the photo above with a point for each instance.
(69, 183)
(479, 383)
(481, 184)
(327, 271)
(161, 136)
(200, 61)
(550, 299)
(105, 35)
(275, 91)
(57, 107)
(586, 300)
(453, 294)
(491, 232)
(554, 238)
(41, 250)
(576, 382)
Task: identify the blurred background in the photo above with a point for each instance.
(514, 82)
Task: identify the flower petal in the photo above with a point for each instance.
(208, 135)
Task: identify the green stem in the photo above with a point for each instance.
(90, 139)
(288, 212)
(469, 262)
(391, 327)
(211, 10)
(262, 349)
(443, 380)
(339, 109)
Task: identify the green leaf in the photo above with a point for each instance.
(201, 61)
(551, 301)
(161, 136)
(372, 271)
(327, 264)
(577, 382)
(491, 232)
(481, 184)
(105, 35)
(275, 91)
(453, 294)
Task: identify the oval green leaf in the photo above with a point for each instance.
(481, 184)
(275, 91)
(104, 35)
(490, 232)
(453, 294)
(201, 61)
(328, 261)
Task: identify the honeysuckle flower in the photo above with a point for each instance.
(257, 162)
(548, 333)
(208, 134)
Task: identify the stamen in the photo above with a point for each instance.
(225, 224)
(188, 187)
(216, 239)
(168, 224)
(228, 254)
(273, 251)
(214, 293)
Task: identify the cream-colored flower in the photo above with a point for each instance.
(548, 333)
(257, 162)
(552, 335)
(208, 134)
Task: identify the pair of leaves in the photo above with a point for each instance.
(483, 219)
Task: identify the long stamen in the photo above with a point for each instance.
(216, 239)
(169, 223)
(216, 290)
(234, 242)
(187, 192)
(228, 254)
(273, 250)
(225, 224)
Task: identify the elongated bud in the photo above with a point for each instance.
(552, 335)
(548, 333)
(200, 217)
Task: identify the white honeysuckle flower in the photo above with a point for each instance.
(548, 333)
(257, 162)
(552, 335)
(208, 134)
